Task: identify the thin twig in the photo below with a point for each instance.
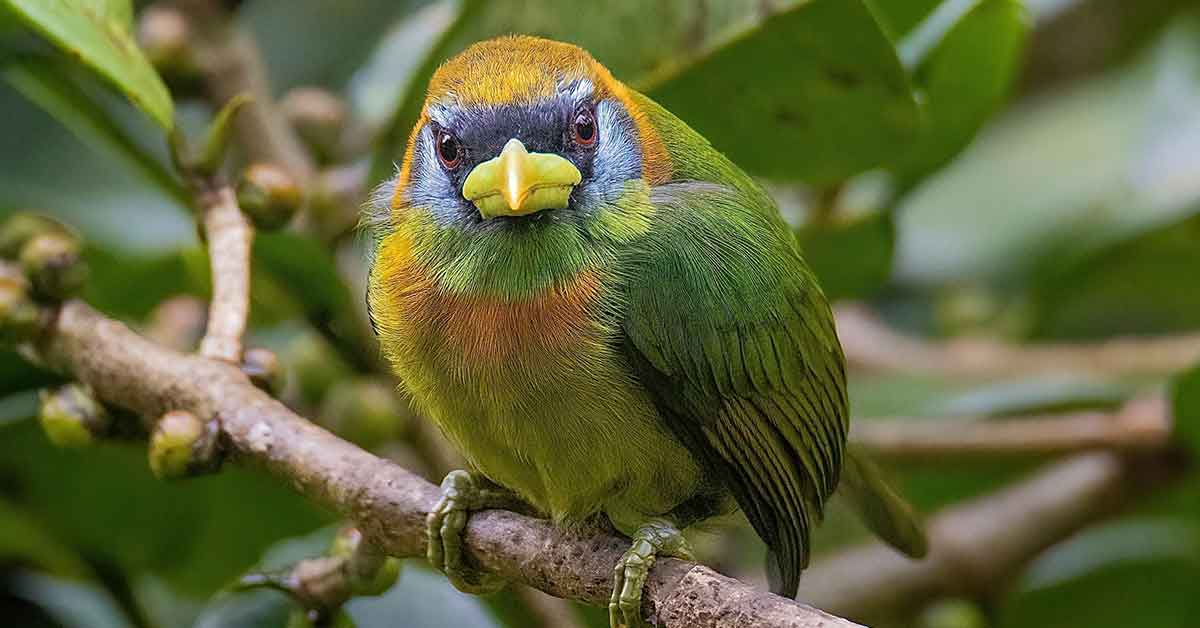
(979, 546)
(1140, 425)
(230, 236)
(388, 503)
(871, 345)
(232, 65)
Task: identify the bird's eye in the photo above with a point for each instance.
(583, 127)
(449, 151)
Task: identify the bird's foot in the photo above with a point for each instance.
(462, 492)
(654, 537)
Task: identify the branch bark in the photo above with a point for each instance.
(1140, 425)
(978, 547)
(871, 345)
(230, 236)
(388, 503)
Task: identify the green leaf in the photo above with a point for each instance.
(105, 503)
(841, 72)
(48, 85)
(1185, 409)
(852, 259)
(965, 79)
(71, 604)
(24, 540)
(1135, 285)
(1131, 573)
(98, 32)
(898, 17)
(814, 93)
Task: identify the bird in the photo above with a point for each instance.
(607, 318)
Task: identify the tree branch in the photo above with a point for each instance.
(1140, 425)
(978, 547)
(230, 236)
(388, 503)
(871, 345)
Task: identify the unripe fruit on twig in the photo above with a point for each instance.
(264, 370)
(182, 445)
(18, 314)
(53, 261)
(268, 195)
(314, 367)
(317, 116)
(364, 411)
(71, 416)
(952, 613)
(166, 38)
(21, 227)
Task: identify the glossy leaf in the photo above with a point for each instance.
(99, 33)
(1127, 574)
(823, 61)
(964, 80)
(899, 17)
(826, 99)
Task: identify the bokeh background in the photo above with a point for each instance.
(1023, 172)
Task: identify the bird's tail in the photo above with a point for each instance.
(883, 510)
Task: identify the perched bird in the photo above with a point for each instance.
(605, 316)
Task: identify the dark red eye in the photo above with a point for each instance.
(449, 151)
(583, 128)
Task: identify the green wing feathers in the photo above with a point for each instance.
(729, 331)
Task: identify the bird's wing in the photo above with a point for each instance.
(728, 330)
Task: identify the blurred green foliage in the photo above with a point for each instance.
(924, 149)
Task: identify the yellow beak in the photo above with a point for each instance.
(518, 182)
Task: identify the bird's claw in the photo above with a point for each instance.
(630, 573)
(444, 527)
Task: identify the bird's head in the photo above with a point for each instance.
(519, 128)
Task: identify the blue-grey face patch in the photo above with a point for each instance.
(543, 127)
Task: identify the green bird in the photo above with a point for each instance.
(608, 318)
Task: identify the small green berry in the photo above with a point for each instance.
(71, 416)
(19, 318)
(268, 195)
(53, 261)
(263, 368)
(181, 445)
(21, 227)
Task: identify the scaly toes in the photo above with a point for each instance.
(629, 577)
(444, 528)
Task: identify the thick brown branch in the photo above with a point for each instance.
(977, 547)
(229, 235)
(1140, 425)
(871, 345)
(232, 65)
(388, 503)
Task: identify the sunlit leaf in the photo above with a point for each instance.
(826, 99)
(99, 33)
(898, 17)
(964, 80)
(1127, 574)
